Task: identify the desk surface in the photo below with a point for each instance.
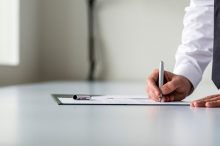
(30, 117)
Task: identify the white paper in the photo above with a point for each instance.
(118, 100)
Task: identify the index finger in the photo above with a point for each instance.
(153, 90)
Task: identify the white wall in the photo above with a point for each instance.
(27, 70)
(137, 34)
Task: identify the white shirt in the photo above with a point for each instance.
(196, 49)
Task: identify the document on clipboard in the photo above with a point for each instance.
(80, 99)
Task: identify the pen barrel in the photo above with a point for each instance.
(161, 74)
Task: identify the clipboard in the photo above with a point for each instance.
(142, 100)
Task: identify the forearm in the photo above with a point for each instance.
(195, 51)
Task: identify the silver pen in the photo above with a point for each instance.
(85, 96)
(161, 77)
(82, 97)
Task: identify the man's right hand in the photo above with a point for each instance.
(176, 87)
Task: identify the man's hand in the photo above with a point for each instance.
(209, 101)
(176, 87)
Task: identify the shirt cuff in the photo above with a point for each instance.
(190, 72)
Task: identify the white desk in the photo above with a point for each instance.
(29, 116)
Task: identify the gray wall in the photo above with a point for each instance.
(63, 39)
(132, 36)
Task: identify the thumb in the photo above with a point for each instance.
(169, 87)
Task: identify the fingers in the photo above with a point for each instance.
(169, 87)
(168, 76)
(213, 104)
(209, 101)
(207, 98)
(174, 89)
(168, 90)
(202, 103)
(154, 76)
(168, 98)
(152, 89)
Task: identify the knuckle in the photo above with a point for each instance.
(149, 81)
(171, 85)
(166, 87)
(156, 70)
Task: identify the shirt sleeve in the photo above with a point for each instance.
(195, 51)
